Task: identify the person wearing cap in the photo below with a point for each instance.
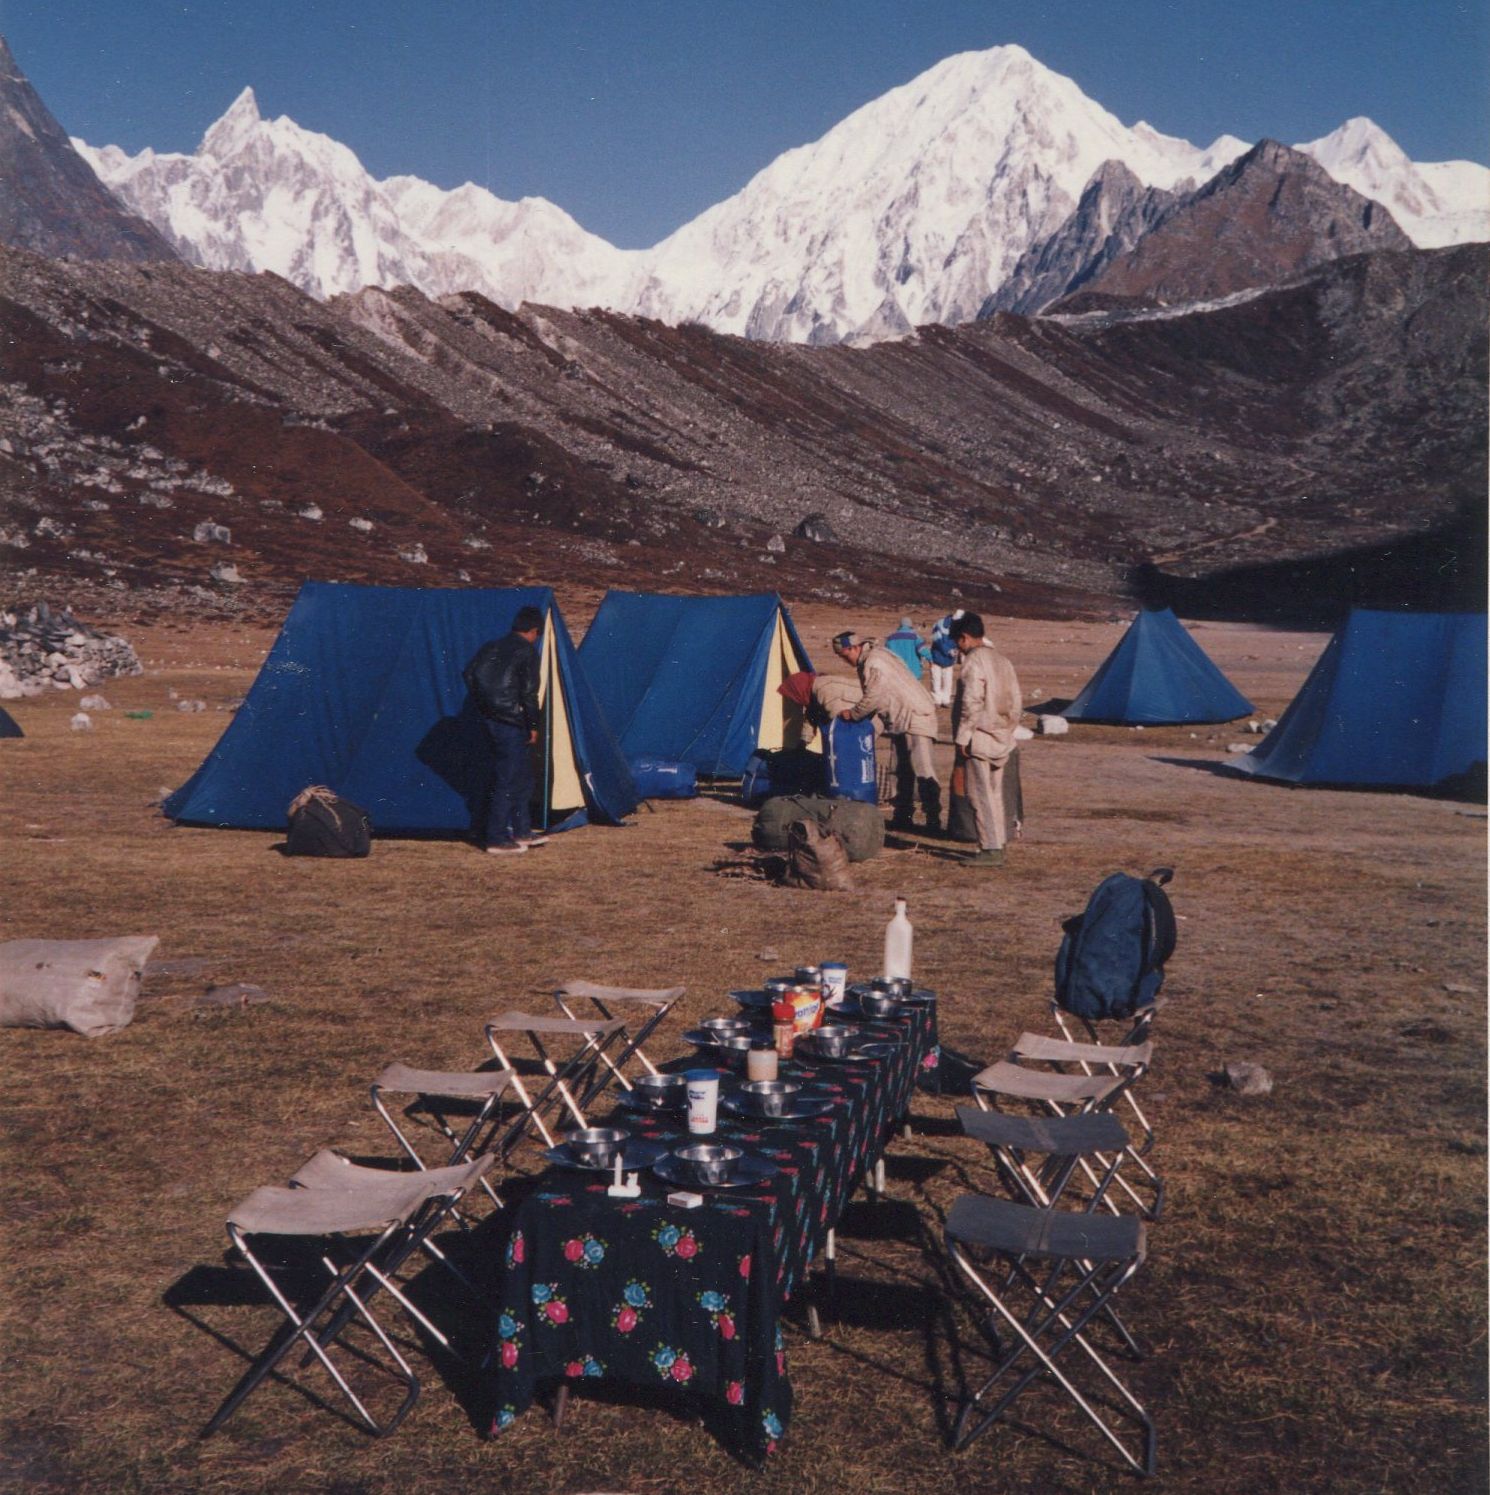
(892, 693)
(985, 714)
(821, 697)
(943, 656)
(907, 646)
(502, 678)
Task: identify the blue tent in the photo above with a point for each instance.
(362, 691)
(1395, 699)
(693, 679)
(1157, 674)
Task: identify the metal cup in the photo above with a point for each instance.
(661, 1091)
(770, 1097)
(709, 1162)
(832, 1040)
(596, 1146)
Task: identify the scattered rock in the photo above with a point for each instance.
(362, 526)
(776, 545)
(1425, 1030)
(1052, 726)
(1238, 747)
(1457, 987)
(1022, 734)
(208, 533)
(239, 995)
(415, 555)
(191, 705)
(223, 572)
(709, 519)
(95, 703)
(1253, 727)
(1246, 1078)
(769, 954)
(82, 722)
(311, 512)
(815, 527)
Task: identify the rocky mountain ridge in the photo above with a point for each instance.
(211, 437)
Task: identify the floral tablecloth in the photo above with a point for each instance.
(689, 1300)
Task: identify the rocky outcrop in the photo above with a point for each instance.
(42, 649)
(50, 199)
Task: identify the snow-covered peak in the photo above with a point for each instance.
(1435, 202)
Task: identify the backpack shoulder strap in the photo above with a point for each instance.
(1160, 931)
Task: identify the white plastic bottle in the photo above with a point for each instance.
(898, 936)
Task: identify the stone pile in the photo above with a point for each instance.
(46, 649)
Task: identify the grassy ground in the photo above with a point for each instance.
(1315, 1294)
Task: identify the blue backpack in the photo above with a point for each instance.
(848, 761)
(1111, 961)
(790, 771)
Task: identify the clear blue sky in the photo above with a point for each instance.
(634, 115)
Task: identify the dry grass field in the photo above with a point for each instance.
(1315, 1296)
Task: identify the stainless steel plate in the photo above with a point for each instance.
(638, 1153)
(749, 1173)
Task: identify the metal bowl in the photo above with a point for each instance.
(878, 1003)
(709, 1162)
(661, 1091)
(769, 1097)
(891, 986)
(778, 985)
(832, 1039)
(596, 1145)
(724, 1026)
(733, 1047)
(808, 975)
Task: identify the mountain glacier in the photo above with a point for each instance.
(915, 208)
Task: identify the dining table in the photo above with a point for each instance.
(688, 1301)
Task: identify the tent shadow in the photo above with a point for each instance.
(1218, 770)
(456, 748)
(1053, 706)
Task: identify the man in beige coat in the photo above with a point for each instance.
(903, 704)
(985, 713)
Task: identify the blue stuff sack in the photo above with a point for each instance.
(1111, 960)
(657, 778)
(848, 760)
(791, 771)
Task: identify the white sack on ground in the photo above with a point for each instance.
(89, 986)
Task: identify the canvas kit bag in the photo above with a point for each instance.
(860, 827)
(323, 824)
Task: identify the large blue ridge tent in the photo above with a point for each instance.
(9, 727)
(1396, 699)
(693, 679)
(362, 691)
(1157, 675)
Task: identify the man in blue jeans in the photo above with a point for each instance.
(503, 680)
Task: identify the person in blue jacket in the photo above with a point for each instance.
(907, 646)
(943, 656)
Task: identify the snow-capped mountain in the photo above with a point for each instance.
(266, 194)
(1435, 203)
(911, 210)
(916, 208)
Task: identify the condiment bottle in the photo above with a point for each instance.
(899, 934)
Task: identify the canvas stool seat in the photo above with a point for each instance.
(588, 1041)
(1059, 1270)
(1061, 1094)
(479, 1091)
(393, 1214)
(654, 1003)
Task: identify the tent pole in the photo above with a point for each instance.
(548, 720)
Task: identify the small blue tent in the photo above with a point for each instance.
(1395, 699)
(693, 679)
(1157, 675)
(362, 691)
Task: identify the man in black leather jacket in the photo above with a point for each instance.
(503, 680)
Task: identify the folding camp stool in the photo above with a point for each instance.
(1075, 1094)
(1066, 1268)
(577, 1073)
(396, 1215)
(1075, 1052)
(1064, 1142)
(482, 1089)
(1134, 1052)
(603, 999)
